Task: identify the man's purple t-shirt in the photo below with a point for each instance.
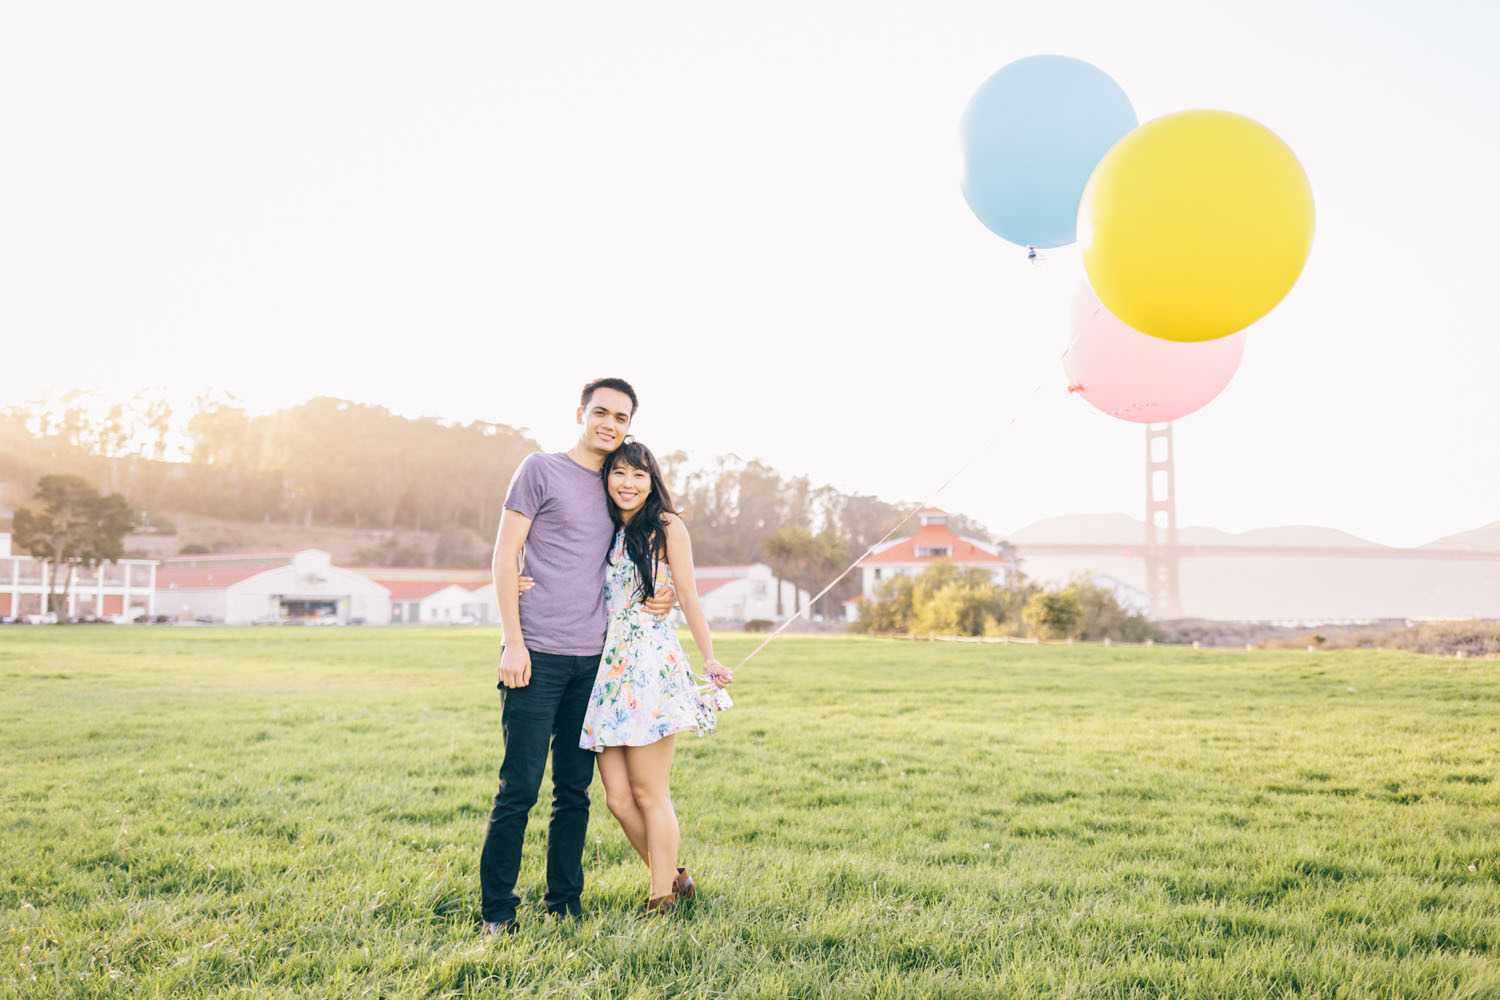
(566, 551)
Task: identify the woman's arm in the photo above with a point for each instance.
(680, 560)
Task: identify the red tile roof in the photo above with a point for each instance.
(204, 579)
(217, 557)
(712, 583)
(933, 536)
(463, 577)
(414, 590)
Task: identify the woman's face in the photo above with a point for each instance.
(628, 486)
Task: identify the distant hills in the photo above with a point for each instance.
(1283, 587)
(1122, 529)
(1487, 537)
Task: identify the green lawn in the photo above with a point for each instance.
(298, 812)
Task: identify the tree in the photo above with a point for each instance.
(1054, 614)
(1104, 618)
(946, 599)
(782, 550)
(891, 610)
(794, 554)
(957, 600)
(75, 527)
(808, 560)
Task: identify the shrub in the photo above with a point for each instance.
(1054, 614)
(1104, 618)
(945, 599)
(154, 524)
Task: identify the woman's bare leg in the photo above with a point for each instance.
(650, 770)
(621, 801)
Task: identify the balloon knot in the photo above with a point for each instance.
(1076, 387)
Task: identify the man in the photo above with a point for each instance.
(556, 510)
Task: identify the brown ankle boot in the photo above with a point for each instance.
(683, 886)
(659, 906)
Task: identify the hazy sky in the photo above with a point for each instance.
(751, 211)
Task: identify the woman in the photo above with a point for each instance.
(644, 693)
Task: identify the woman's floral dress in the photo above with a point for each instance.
(645, 688)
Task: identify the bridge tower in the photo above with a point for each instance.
(1162, 555)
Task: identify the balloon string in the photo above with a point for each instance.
(896, 527)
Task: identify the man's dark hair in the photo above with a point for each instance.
(617, 384)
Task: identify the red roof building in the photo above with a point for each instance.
(423, 596)
(910, 556)
(203, 579)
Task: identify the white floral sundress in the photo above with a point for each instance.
(645, 689)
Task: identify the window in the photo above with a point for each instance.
(934, 552)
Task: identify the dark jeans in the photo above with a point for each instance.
(549, 710)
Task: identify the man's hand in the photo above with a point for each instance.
(515, 666)
(661, 603)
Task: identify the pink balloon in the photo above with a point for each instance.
(1130, 375)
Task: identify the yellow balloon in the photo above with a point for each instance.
(1195, 225)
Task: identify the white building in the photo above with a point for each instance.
(423, 596)
(120, 591)
(306, 588)
(911, 556)
(434, 602)
(744, 593)
(482, 606)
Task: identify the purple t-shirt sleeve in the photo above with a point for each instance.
(567, 548)
(528, 488)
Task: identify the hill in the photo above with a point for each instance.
(1314, 587)
(348, 545)
(1486, 537)
(1122, 529)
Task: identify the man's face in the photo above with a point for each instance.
(605, 419)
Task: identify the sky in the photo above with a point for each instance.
(751, 211)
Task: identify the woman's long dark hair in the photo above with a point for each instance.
(645, 535)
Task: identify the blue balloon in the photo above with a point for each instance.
(1032, 134)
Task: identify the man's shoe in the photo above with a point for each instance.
(499, 928)
(683, 886)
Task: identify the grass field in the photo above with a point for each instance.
(297, 813)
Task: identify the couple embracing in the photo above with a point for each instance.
(589, 666)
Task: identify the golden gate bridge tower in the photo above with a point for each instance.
(1163, 557)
